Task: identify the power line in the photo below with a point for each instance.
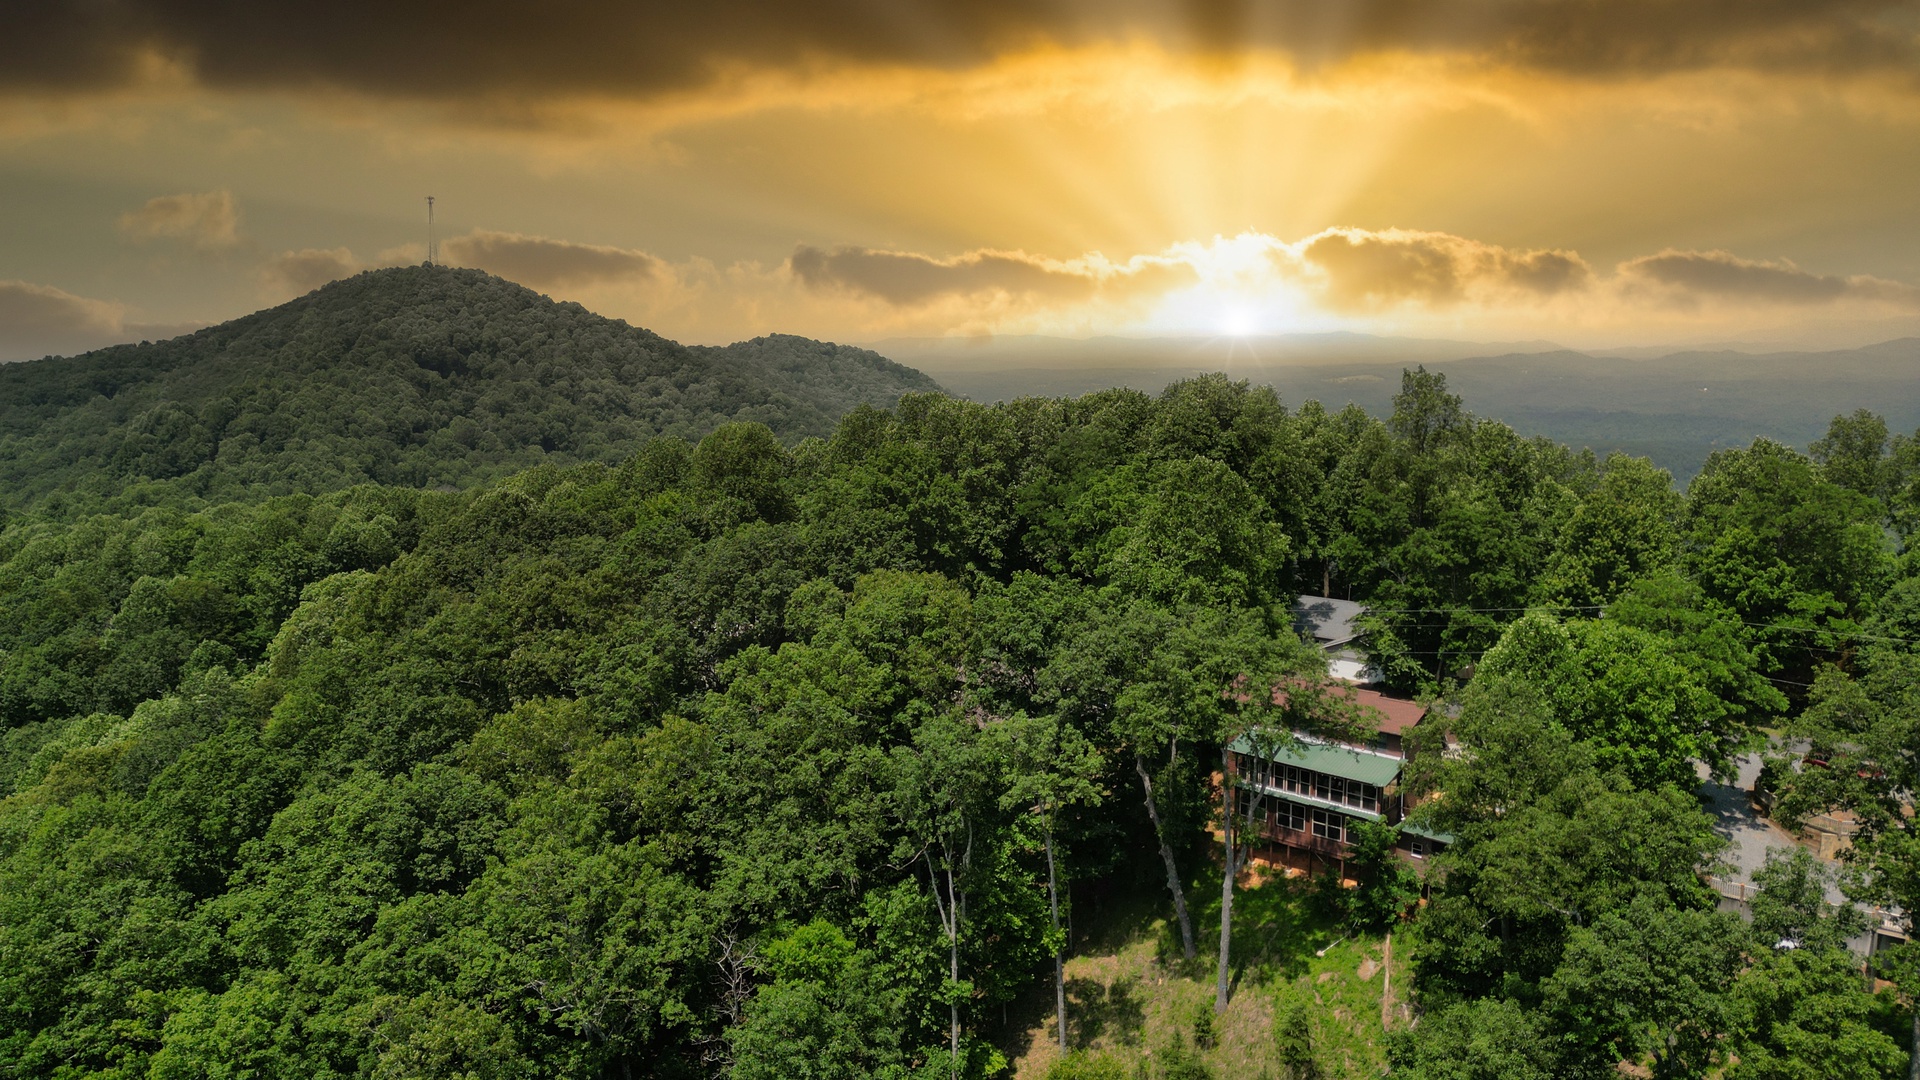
(1603, 607)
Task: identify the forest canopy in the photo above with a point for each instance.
(735, 756)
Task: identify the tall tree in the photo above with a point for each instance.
(1051, 767)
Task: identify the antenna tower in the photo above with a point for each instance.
(433, 249)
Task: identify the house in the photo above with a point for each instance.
(1306, 792)
(1331, 624)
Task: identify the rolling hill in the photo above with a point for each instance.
(422, 376)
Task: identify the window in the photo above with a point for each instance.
(1327, 825)
(1419, 849)
(1323, 786)
(1243, 803)
(1290, 816)
(1364, 796)
(1339, 789)
(1293, 778)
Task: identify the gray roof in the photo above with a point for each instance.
(1327, 620)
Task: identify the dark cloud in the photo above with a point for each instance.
(904, 278)
(549, 264)
(38, 320)
(1371, 269)
(436, 49)
(1689, 276)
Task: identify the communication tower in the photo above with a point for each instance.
(433, 247)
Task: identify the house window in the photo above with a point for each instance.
(1364, 796)
(1339, 789)
(1326, 824)
(1419, 849)
(1243, 803)
(1293, 778)
(1323, 786)
(1290, 816)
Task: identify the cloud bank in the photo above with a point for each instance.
(1391, 280)
(1690, 277)
(905, 278)
(545, 263)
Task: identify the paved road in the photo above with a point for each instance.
(1748, 834)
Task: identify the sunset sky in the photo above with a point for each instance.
(1593, 172)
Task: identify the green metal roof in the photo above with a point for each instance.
(1330, 758)
(1444, 838)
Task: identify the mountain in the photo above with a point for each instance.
(1676, 407)
(422, 376)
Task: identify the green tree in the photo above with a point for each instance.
(1483, 1040)
(1648, 980)
(824, 1015)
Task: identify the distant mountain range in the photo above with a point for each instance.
(1676, 407)
(422, 376)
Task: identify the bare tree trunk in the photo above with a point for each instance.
(1226, 882)
(1166, 855)
(1060, 953)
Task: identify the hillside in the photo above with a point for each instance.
(416, 376)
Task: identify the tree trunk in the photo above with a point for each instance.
(949, 915)
(1226, 883)
(1913, 1067)
(1060, 953)
(953, 1007)
(1166, 855)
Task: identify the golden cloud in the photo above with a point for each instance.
(208, 220)
(1364, 270)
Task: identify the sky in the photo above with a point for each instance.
(1589, 172)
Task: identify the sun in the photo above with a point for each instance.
(1237, 321)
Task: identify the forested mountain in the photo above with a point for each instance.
(418, 376)
(734, 758)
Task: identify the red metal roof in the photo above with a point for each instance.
(1396, 714)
